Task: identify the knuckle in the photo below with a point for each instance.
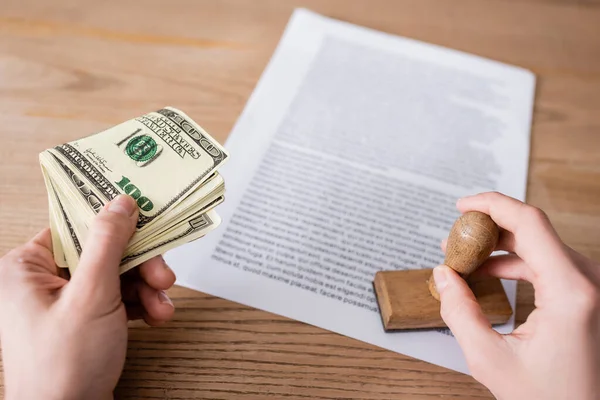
(536, 215)
(454, 310)
(110, 225)
(491, 196)
(103, 227)
(586, 299)
(29, 248)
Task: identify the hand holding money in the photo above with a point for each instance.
(163, 159)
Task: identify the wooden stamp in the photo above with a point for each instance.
(408, 299)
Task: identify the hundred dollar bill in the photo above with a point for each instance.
(163, 159)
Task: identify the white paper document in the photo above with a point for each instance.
(348, 159)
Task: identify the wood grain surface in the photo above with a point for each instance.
(70, 68)
(406, 302)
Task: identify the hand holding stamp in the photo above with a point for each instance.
(472, 239)
(408, 298)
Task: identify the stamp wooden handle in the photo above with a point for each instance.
(472, 239)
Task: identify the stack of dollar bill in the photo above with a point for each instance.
(163, 159)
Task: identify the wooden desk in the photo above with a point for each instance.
(69, 68)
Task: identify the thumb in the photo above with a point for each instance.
(462, 313)
(98, 271)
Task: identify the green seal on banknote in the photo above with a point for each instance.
(141, 148)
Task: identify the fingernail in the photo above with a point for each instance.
(440, 278)
(163, 298)
(122, 204)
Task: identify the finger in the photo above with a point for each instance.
(461, 313)
(152, 321)
(108, 236)
(38, 252)
(156, 303)
(534, 239)
(507, 266)
(44, 239)
(157, 274)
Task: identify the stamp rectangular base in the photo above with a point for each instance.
(406, 303)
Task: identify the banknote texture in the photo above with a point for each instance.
(163, 159)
